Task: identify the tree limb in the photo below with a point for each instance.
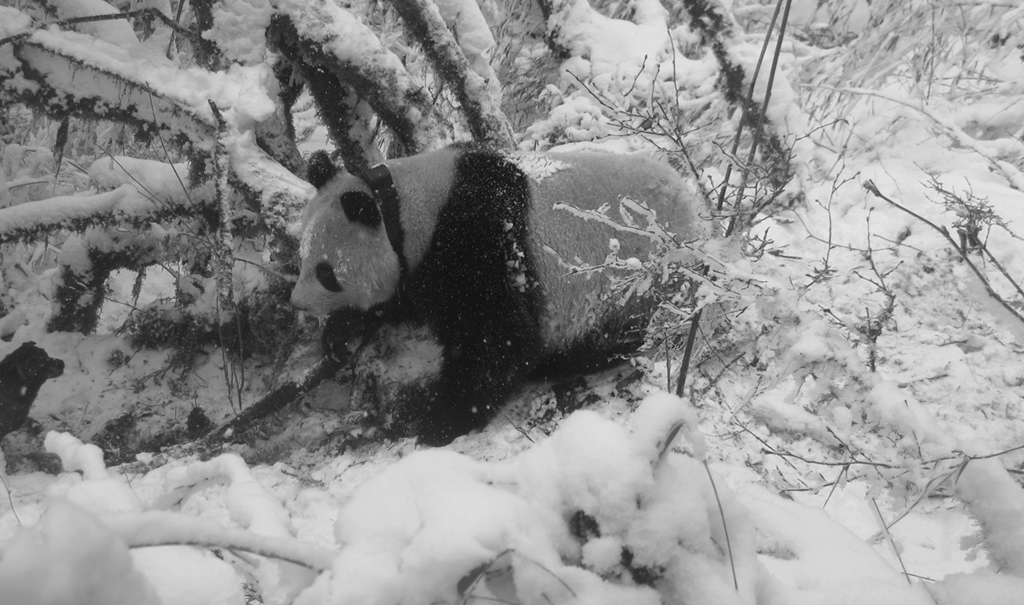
(483, 111)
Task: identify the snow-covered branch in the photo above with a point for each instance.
(87, 22)
(332, 41)
(124, 205)
(162, 528)
(479, 94)
(69, 73)
(282, 194)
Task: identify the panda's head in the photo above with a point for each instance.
(347, 261)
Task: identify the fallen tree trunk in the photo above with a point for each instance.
(277, 399)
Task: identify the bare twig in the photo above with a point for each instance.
(695, 321)
(161, 528)
(725, 526)
(10, 495)
(891, 541)
(870, 186)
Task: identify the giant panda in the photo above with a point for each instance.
(487, 249)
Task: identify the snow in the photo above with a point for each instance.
(98, 491)
(248, 502)
(116, 31)
(997, 502)
(183, 575)
(428, 521)
(124, 200)
(812, 558)
(579, 118)
(475, 40)
(158, 180)
(893, 407)
(13, 22)
(241, 92)
(610, 49)
(981, 588)
(238, 27)
(71, 558)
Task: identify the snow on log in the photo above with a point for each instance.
(100, 489)
(13, 22)
(282, 194)
(145, 191)
(277, 399)
(115, 31)
(478, 93)
(249, 503)
(77, 212)
(66, 72)
(473, 36)
(259, 511)
(160, 528)
(334, 40)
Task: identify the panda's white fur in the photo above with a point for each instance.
(589, 181)
(572, 308)
(423, 183)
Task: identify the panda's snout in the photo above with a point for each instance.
(308, 297)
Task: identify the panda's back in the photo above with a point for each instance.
(581, 315)
(578, 316)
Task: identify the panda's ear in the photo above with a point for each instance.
(320, 169)
(360, 208)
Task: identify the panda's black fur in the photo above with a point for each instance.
(476, 283)
(469, 288)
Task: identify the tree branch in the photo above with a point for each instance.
(330, 39)
(483, 111)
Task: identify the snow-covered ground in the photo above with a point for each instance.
(791, 473)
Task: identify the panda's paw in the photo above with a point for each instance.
(452, 414)
(436, 435)
(340, 333)
(441, 427)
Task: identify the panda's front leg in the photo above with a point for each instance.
(484, 359)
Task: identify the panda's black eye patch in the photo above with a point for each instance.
(325, 275)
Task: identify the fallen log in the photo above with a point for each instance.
(277, 399)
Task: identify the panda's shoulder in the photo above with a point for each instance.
(459, 160)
